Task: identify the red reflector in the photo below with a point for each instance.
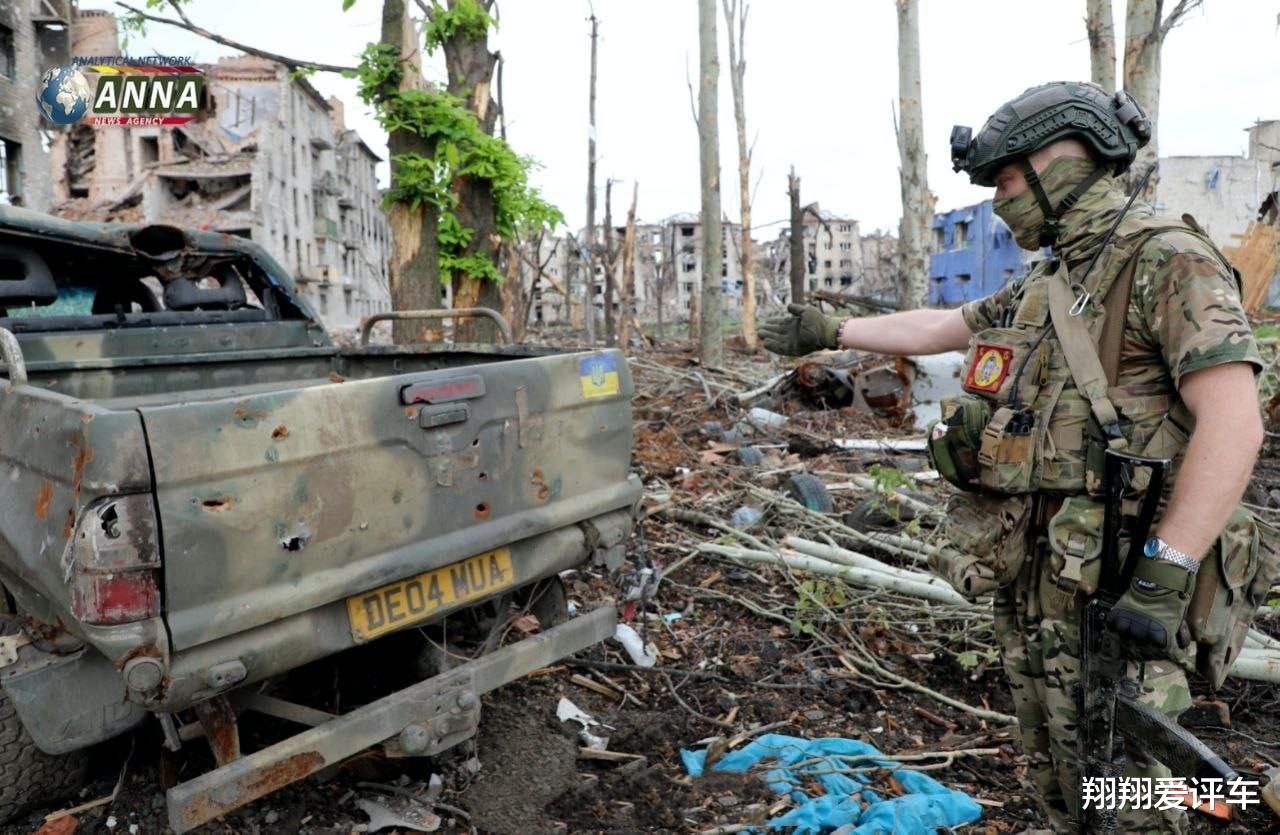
(443, 391)
(107, 599)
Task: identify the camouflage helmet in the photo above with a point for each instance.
(1111, 125)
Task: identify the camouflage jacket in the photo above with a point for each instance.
(1184, 314)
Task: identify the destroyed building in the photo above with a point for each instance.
(1223, 192)
(34, 37)
(268, 159)
(973, 254)
(838, 258)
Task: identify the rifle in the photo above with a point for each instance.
(1110, 713)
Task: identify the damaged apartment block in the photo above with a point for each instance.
(33, 38)
(268, 158)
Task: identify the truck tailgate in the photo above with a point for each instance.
(282, 501)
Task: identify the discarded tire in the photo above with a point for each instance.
(810, 492)
(28, 776)
(750, 455)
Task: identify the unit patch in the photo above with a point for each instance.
(598, 374)
(989, 367)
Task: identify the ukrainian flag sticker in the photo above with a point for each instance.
(598, 374)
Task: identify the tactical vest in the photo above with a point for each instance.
(1042, 404)
(1043, 400)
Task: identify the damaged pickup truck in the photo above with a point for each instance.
(201, 491)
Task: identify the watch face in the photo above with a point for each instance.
(1151, 548)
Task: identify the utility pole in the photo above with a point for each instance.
(797, 238)
(608, 263)
(710, 339)
(589, 302)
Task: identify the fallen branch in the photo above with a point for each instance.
(850, 574)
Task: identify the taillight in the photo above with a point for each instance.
(113, 562)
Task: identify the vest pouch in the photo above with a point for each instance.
(1075, 545)
(1233, 581)
(1000, 358)
(1008, 453)
(988, 543)
(954, 438)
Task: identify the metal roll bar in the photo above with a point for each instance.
(11, 352)
(455, 313)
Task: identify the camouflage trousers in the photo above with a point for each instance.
(1038, 626)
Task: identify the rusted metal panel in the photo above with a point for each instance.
(230, 786)
(218, 719)
(260, 523)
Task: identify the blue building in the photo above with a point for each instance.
(974, 254)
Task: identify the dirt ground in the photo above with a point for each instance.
(744, 649)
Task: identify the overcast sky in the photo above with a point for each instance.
(820, 87)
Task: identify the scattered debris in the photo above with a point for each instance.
(644, 655)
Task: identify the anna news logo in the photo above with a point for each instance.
(125, 91)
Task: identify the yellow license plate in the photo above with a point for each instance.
(396, 605)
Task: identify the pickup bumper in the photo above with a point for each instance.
(275, 648)
(424, 719)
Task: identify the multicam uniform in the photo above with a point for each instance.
(1184, 314)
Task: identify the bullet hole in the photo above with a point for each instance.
(476, 441)
(482, 510)
(280, 433)
(216, 503)
(484, 476)
(110, 519)
(293, 543)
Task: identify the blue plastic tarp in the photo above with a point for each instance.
(925, 806)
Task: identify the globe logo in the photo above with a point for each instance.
(64, 95)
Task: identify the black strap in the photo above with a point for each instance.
(1050, 230)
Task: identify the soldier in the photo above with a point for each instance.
(1027, 438)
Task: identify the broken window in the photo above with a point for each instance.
(686, 231)
(149, 149)
(8, 61)
(961, 236)
(81, 152)
(10, 172)
(939, 239)
(965, 277)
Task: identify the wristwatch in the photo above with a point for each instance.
(1157, 549)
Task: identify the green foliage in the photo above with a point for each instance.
(971, 658)
(466, 18)
(814, 598)
(459, 148)
(887, 480)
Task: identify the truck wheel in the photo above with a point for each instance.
(28, 776)
(810, 491)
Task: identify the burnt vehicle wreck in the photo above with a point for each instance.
(203, 491)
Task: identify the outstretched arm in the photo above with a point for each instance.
(911, 332)
(908, 333)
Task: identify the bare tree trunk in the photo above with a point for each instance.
(589, 300)
(735, 15)
(797, 238)
(1144, 34)
(470, 67)
(710, 339)
(917, 214)
(609, 263)
(1099, 23)
(627, 288)
(414, 269)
